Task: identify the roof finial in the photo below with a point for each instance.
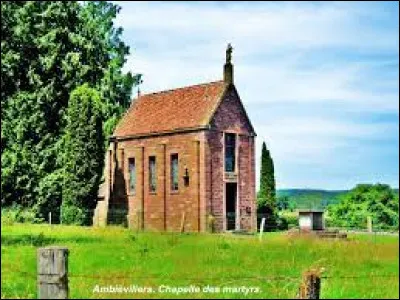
(229, 53)
(138, 81)
(228, 67)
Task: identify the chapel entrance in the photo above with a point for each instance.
(230, 202)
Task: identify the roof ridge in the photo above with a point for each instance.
(136, 118)
(180, 88)
(137, 99)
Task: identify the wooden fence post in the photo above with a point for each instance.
(52, 273)
(311, 285)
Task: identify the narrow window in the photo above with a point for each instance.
(230, 147)
(132, 175)
(152, 174)
(174, 172)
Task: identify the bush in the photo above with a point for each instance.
(293, 221)
(288, 220)
(329, 222)
(73, 215)
(17, 214)
(49, 196)
(282, 223)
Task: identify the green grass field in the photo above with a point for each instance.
(119, 257)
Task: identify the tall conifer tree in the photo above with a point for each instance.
(266, 196)
(82, 156)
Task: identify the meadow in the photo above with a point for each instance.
(364, 266)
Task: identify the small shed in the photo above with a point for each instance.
(311, 219)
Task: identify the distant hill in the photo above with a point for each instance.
(313, 198)
(310, 198)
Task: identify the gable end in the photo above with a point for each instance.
(230, 114)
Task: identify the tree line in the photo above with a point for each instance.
(343, 209)
(62, 92)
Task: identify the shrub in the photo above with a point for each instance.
(288, 220)
(293, 221)
(282, 223)
(73, 215)
(17, 214)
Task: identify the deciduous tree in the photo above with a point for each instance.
(49, 48)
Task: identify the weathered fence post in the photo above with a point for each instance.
(52, 273)
(311, 285)
(50, 218)
(262, 227)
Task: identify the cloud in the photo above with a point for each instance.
(184, 43)
(316, 145)
(298, 140)
(312, 75)
(301, 26)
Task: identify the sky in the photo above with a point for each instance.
(319, 81)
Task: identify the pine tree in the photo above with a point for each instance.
(83, 156)
(266, 201)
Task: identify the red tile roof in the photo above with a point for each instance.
(181, 108)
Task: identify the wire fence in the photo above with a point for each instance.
(356, 229)
(281, 286)
(184, 277)
(194, 278)
(120, 215)
(295, 281)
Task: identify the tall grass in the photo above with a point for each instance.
(117, 256)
